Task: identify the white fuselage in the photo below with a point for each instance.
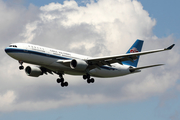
(48, 57)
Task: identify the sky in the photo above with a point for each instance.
(93, 28)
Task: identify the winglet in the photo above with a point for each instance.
(170, 47)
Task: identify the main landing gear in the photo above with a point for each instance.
(89, 80)
(61, 81)
(21, 67)
(65, 84)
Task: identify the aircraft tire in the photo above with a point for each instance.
(21, 67)
(84, 77)
(62, 84)
(89, 81)
(66, 84)
(92, 80)
(58, 80)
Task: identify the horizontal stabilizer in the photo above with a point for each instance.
(138, 68)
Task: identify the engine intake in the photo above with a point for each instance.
(33, 71)
(78, 64)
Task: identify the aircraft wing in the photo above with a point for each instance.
(99, 61)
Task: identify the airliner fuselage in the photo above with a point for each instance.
(48, 57)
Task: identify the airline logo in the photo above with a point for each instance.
(133, 50)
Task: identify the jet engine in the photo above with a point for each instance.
(78, 64)
(33, 71)
(131, 69)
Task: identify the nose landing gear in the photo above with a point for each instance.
(21, 67)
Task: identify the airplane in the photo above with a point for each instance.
(53, 61)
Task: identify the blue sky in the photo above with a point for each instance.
(146, 109)
(166, 14)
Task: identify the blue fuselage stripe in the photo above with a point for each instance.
(11, 50)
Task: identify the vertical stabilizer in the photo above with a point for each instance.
(136, 47)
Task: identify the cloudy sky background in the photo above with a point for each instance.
(93, 28)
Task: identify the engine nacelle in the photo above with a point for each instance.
(77, 64)
(133, 70)
(33, 71)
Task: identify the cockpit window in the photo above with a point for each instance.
(13, 46)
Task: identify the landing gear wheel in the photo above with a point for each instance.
(21, 67)
(89, 81)
(84, 77)
(92, 80)
(66, 84)
(59, 80)
(62, 84)
(87, 76)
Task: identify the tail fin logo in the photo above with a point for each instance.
(133, 50)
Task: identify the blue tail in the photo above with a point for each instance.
(136, 47)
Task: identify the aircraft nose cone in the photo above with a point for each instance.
(6, 50)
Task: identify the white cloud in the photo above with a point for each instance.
(97, 29)
(14, 18)
(69, 100)
(29, 34)
(6, 100)
(110, 24)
